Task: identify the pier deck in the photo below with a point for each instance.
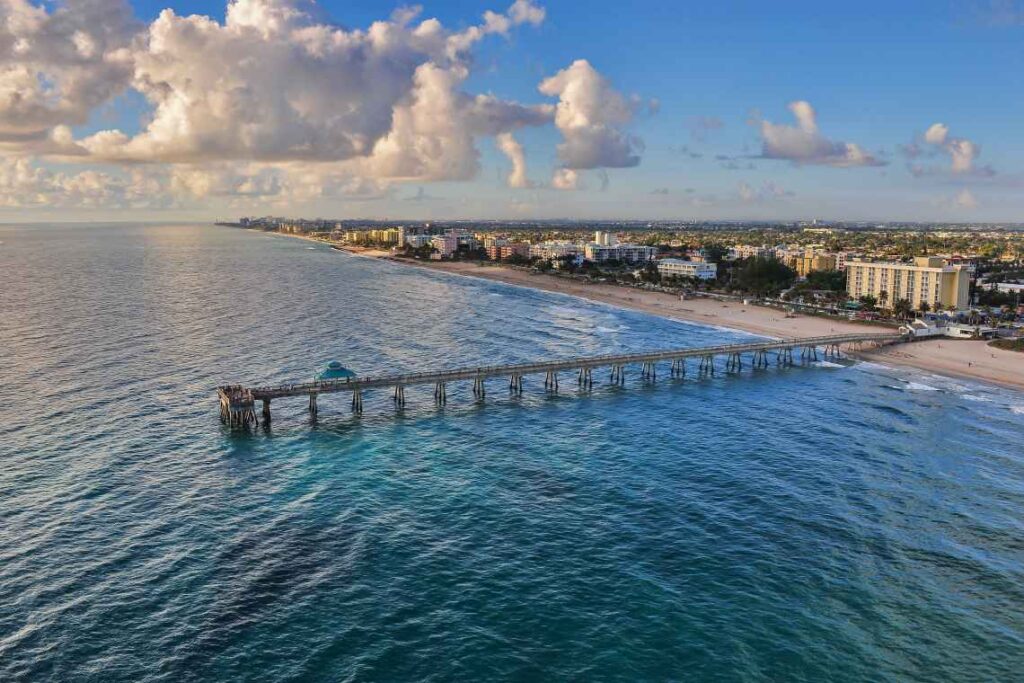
(238, 403)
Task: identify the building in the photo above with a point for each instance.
(751, 251)
(626, 253)
(554, 249)
(605, 239)
(811, 262)
(417, 241)
(928, 280)
(844, 257)
(502, 249)
(670, 267)
(446, 245)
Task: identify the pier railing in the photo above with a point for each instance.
(238, 403)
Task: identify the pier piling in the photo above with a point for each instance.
(238, 410)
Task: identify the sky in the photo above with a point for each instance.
(197, 110)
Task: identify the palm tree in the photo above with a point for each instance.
(902, 308)
(924, 307)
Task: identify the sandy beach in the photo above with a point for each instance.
(951, 357)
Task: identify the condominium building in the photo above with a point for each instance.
(605, 239)
(669, 267)
(554, 249)
(503, 249)
(751, 251)
(627, 253)
(446, 245)
(810, 262)
(927, 280)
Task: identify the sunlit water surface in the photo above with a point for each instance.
(820, 523)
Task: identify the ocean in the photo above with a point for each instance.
(836, 521)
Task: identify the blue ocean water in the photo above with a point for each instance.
(831, 522)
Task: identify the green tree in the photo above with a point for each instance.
(902, 308)
(830, 280)
(869, 302)
(763, 276)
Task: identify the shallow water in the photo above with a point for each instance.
(843, 523)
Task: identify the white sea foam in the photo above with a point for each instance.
(1017, 409)
(917, 386)
(976, 397)
(828, 364)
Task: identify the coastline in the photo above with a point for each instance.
(956, 358)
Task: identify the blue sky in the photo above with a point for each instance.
(701, 81)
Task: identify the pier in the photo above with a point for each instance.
(238, 403)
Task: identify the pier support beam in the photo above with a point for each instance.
(399, 396)
(266, 412)
(551, 381)
(618, 375)
(649, 371)
(357, 401)
(678, 368)
(440, 394)
(515, 385)
(585, 378)
(312, 404)
(478, 388)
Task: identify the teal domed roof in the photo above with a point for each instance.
(335, 370)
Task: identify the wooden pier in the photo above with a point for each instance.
(238, 403)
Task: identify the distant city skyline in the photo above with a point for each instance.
(195, 110)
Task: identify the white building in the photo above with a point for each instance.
(554, 249)
(416, 241)
(605, 239)
(669, 267)
(751, 251)
(627, 253)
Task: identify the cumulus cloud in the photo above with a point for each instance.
(937, 140)
(56, 67)
(805, 144)
(277, 103)
(590, 114)
(565, 179)
(273, 84)
(26, 184)
(511, 148)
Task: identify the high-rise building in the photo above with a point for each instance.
(927, 280)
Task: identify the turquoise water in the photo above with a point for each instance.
(848, 523)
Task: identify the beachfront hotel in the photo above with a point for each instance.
(927, 280)
(669, 267)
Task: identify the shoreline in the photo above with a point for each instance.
(955, 358)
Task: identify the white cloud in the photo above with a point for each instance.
(511, 148)
(590, 114)
(56, 67)
(804, 143)
(565, 179)
(25, 184)
(962, 152)
(936, 134)
(278, 104)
